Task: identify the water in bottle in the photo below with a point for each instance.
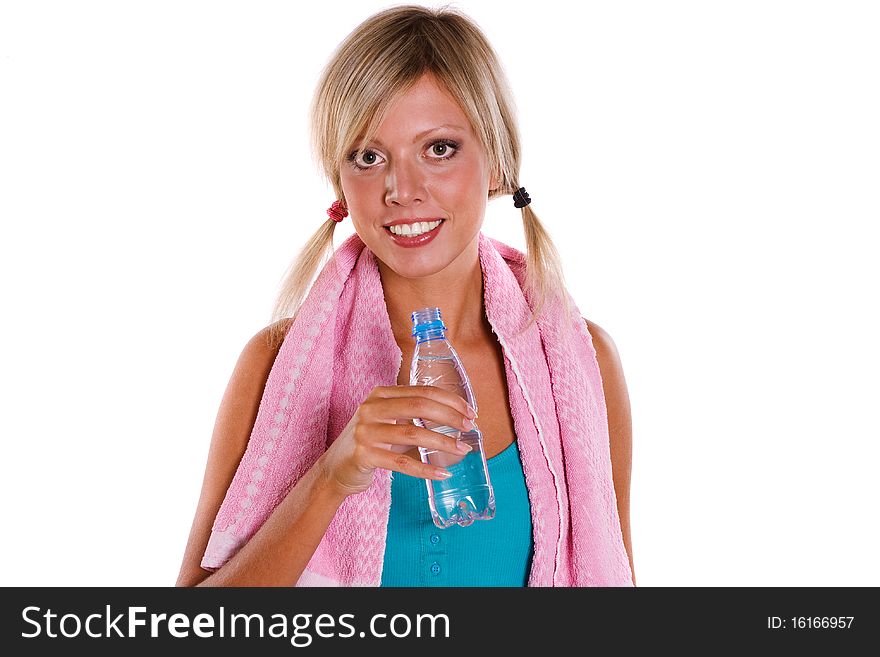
(467, 495)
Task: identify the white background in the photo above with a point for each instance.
(709, 172)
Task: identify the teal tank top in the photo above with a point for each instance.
(496, 552)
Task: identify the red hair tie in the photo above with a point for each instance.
(337, 212)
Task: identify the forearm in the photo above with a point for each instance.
(279, 551)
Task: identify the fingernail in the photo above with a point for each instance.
(471, 413)
(446, 474)
(468, 424)
(462, 446)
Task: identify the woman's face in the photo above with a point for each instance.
(424, 164)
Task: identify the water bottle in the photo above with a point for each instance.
(467, 495)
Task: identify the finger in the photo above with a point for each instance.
(431, 392)
(410, 434)
(382, 458)
(425, 408)
(449, 398)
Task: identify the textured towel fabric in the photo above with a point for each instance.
(340, 346)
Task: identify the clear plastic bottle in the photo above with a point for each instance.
(467, 495)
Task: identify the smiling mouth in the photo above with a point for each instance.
(440, 220)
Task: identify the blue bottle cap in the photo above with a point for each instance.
(427, 319)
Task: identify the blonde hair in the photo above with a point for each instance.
(379, 60)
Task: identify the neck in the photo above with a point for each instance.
(457, 290)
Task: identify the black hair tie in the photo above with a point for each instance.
(521, 198)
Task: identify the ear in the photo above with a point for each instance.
(493, 183)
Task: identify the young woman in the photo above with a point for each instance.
(414, 126)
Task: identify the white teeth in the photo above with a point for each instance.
(411, 230)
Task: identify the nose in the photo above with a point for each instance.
(404, 184)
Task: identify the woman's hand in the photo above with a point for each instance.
(372, 439)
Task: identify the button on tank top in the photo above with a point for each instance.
(494, 552)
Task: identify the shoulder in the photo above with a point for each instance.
(610, 367)
(270, 338)
(241, 401)
(604, 345)
(258, 355)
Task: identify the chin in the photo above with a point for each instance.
(420, 267)
(416, 265)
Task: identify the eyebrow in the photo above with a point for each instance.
(422, 134)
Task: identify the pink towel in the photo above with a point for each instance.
(341, 346)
